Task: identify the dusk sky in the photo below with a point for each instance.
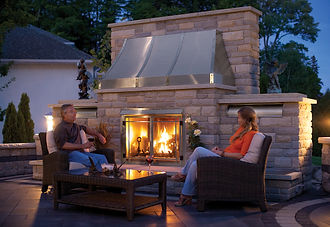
(321, 48)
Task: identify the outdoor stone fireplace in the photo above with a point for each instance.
(147, 118)
(156, 133)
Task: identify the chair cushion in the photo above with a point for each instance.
(76, 165)
(51, 146)
(50, 140)
(84, 139)
(252, 156)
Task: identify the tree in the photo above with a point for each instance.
(301, 74)
(102, 57)
(140, 9)
(281, 18)
(27, 131)
(21, 130)
(12, 13)
(81, 21)
(9, 130)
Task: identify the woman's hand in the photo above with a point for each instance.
(217, 150)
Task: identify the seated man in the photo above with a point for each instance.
(68, 139)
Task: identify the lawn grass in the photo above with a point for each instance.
(317, 160)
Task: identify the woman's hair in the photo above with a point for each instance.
(250, 121)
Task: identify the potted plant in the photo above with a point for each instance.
(105, 131)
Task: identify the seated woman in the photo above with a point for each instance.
(239, 145)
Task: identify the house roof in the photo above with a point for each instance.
(31, 42)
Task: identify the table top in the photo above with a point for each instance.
(127, 174)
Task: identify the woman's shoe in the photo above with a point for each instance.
(179, 177)
(183, 200)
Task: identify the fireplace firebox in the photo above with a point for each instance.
(152, 132)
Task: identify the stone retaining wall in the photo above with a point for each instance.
(15, 157)
(240, 31)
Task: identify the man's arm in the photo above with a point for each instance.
(73, 146)
(93, 132)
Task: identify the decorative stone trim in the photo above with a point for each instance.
(10, 146)
(189, 15)
(164, 88)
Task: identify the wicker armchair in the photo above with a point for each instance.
(227, 179)
(59, 161)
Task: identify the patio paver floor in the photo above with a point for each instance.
(23, 204)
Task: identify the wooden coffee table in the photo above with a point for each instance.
(128, 201)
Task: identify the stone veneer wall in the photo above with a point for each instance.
(200, 101)
(289, 169)
(325, 141)
(291, 150)
(15, 157)
(239, 27)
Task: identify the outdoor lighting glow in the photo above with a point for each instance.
(49, 121)
(211, 78)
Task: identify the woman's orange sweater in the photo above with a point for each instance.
(240, 145)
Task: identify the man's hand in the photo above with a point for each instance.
(102, 139)
(93, 132)
(87, 145)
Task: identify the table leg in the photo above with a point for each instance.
(130, 202)
(162, 193)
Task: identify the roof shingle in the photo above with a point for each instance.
(31, 42)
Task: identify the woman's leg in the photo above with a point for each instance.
(189, 186)
(198, 153)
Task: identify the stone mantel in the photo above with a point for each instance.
(167, 88)
(266, 98)
(324, 140)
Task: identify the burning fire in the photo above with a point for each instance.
(163, 142)
(165, 139)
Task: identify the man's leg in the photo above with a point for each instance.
(108, 153)
(98, 159)
(80, 157)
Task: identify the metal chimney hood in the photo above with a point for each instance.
(177, 59)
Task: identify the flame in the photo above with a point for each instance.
(163, 141)
(165, 138)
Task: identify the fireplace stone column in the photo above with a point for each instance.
(325, 162)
